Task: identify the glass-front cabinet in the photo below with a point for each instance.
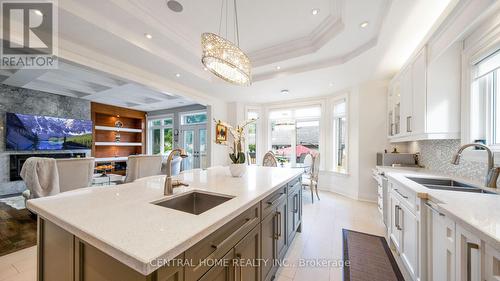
(394, 109)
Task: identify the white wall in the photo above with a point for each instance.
(218, 152)
(372, 134)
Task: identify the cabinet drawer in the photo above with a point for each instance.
(269, 203)
(405, 196)
(293, 186)
(217, 244)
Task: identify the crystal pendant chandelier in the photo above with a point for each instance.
(224, 58)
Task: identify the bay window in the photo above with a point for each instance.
(294, 133)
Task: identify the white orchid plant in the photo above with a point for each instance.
(237, 155)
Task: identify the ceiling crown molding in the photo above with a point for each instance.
(329, 28)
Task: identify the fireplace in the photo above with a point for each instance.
(17, 161)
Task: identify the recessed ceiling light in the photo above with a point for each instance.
(38, 12)
(147, 35)
(331, 84)
(364, 24)
(177, 75)
(174, 6)
(205, 68)
(285, 91)
(278, 67)
(314, 12)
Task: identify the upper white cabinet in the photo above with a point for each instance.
(428, 98)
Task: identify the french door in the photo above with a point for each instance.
(194, 142)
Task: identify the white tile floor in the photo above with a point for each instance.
(321, 238)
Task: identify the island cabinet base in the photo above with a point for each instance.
(249, 247)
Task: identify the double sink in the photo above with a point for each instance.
(448, 184)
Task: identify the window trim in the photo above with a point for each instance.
(192, 112)
(476, 48)
(292, 107)
(151, 127)
(333, 118)
(257, 132)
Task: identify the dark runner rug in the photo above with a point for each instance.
(370, 258)
(17, 229)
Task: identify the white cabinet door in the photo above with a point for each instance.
(395, 228)
(442, 247)
(468, 255)
(410, 227)
(491, 264)
(419, 94)
(406, 101)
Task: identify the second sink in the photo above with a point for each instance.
(194, 202)
(448, 184)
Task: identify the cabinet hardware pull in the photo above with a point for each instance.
(279, 225)
(248, 223)
(275, 226)
(401, 194)
(433, 209)
(273, 202)
(396, 217)
(470, 246)
(295, 209)
(408, 124)
(399, 218)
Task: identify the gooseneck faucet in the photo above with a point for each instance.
(169, 183)
(493, 172)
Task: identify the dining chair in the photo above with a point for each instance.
(308, 161)
(140, 166)
(269, 160)
(251, 160)
(312, 180)
(56, 175)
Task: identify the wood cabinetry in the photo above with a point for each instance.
(234, 252)
(109, 141)
(247, 254)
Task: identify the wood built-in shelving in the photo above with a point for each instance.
(133, 132)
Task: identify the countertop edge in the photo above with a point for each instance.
(144, 267)
(490, 240)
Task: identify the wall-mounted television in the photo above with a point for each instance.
(32, 132)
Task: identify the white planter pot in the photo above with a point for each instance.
(238, 170)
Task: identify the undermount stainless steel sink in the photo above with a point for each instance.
(448, 184)
(194, 202)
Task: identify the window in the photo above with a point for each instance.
(485, 101)
(194, 118)
(161, 139)
(295, 133)
(251, 136)
(339, 136)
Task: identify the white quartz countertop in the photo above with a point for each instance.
(121, 221)
(477, 212)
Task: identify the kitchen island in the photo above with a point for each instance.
(127, 232)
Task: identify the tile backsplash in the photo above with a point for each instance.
(436, 155)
